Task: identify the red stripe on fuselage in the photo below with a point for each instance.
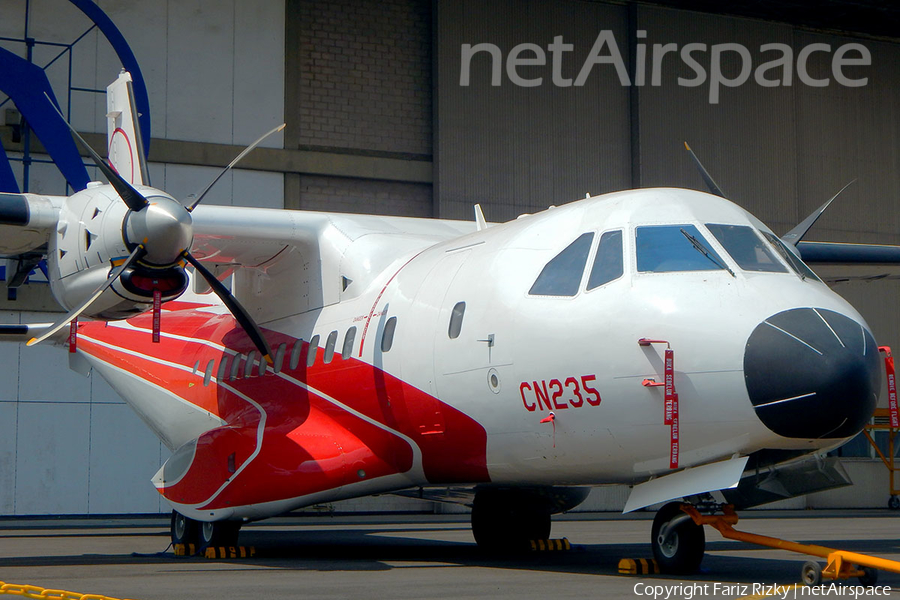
(309, 444)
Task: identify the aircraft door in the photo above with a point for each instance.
(425, 321)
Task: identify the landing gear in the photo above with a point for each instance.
(219, 533)
(183, 530)
(508, 525)
(203, 534)
(677, 542)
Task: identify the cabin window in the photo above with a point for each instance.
(313, 350)
(251, 362)
(608, 263)
(209, 370)
(387, 337)
(279, 357)
(665, 248)
(745, 247)
(562, 275)
(236, 366)
(196, 367)
(295, 354)
(329, 346)
(456, 320)
(792, 259)
(223, 369)
(347, 349)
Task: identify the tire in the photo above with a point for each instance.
(894, 503)
(869, 577)
(219, 533)
(682, 551)
(811, 573)
(184, 530)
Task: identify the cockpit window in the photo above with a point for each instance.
(608, 263)
(798, 265)
(562, 275)
(664, 248)
(745, 247)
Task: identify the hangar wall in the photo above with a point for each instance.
(378, 122)
(215, 75)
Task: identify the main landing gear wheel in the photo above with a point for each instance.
(184, 530)
(677, 542)
(219, 533)
(497, 527)
(203, 535)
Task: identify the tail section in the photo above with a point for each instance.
(126, 148)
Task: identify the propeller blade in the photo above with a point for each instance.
(129, 195)
(199, 197)
(83, 306)
(796, 234)
(239, 312)
(713, 187)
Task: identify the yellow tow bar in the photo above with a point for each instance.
(840, 564)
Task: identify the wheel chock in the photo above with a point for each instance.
(550, 545)
(230, 552)
(185, 549)
(638, 566)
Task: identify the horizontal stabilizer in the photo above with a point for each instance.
(696, 480)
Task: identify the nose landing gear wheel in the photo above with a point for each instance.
(677, 542)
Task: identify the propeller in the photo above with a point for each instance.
(239, 312)
(796, 234)
(165, 230)
(793, 236)
(197, 198)
(81, 307)
(710, 183)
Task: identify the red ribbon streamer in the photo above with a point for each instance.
(891, 385)
(73, 335)
(157, 314)
(673, 447)
(670, 385)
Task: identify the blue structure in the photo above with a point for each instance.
(27, 86)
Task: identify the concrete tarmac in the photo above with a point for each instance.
(426, 556)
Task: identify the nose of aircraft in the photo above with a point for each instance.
(812, 373)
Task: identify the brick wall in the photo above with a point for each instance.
(365, 74)
(341, 194)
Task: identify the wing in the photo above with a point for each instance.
(837, 262)
(287, 262)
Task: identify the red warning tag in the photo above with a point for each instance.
(673, 449)
(157, 314)
(73, 335)
(669, 385)
(891, 385)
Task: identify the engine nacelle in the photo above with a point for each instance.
(90, 242)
